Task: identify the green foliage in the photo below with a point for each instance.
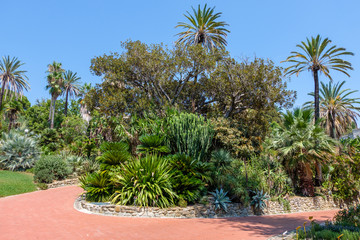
(144, 182)
(189, 177)
(51, 167)
(220, 199)
(42, 186)
(72, 129)
(258, 201)
(152, 144)
(191, 135)
(50, 140)
(19, 151)
(220, 166)
(113, 154)
(348, 217)
(97, 185)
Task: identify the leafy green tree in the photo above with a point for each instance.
(12, 78)
(203, 28)
(55, 87)
(318, 56)
(71, 87)
(337, 107)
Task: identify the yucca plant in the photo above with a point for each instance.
(97, 185)
(144, 182)
(18, 152)
(220, 199)
(113, 154)
(153, 144)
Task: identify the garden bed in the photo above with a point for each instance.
(296, 204)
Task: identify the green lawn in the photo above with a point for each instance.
(12, 183)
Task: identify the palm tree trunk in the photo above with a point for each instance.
(332, 126)
(66, 103)
(2, 93)
(53, 114)
(307, 185)
(317, 116)
(50, 111)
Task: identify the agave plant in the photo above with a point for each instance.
(19, 152)
(152, 144)
(258, 201)
(113, 154)
(144, 182)
(221, 199)
(97, 185)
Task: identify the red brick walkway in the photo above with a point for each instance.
(49, 215)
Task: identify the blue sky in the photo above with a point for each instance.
(73, 32)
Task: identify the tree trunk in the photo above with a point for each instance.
(317, 116)
(66, 103)
(307, 185)
(332, 126)
(2, 93)
(53, 114)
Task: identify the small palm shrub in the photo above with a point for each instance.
(51, 167)
(220, 166)
(18, 151)
(97, 185)
(144, 182)
(258, 201)
(188, 179)
(220, 199)
(152, 144)
(113, 154)
(190, 134)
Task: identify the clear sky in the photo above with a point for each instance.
(73, 32)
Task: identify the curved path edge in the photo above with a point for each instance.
(50, 214)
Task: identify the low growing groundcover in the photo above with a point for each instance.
(12, 183)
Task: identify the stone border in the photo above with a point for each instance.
(63, 183)
(294, 204)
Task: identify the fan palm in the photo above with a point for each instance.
(71, 87)
(13, 109)
(55, 87)
(12, 78)
(318, 56)
(302, 144)
(337, 108)
(203, 28)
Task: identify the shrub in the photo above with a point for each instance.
(190, 134)
(113, 154)
(144, 182)
(188, 177)
(97, 186)
(220, 199)
(19, 152)
(258, 201)
(348, 217)
(51, 167)
(152, 144)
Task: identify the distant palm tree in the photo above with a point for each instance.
(317, 56)
(55, 87)
(13, 80)
(71, 87)
(203, 29)
(338, 109)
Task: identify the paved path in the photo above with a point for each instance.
(49, 215)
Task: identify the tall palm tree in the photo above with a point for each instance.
(13, 80)
(55, 87)
(203, 28)
(71, 87)
(337, 108)
(316, 55)
(301, 144)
